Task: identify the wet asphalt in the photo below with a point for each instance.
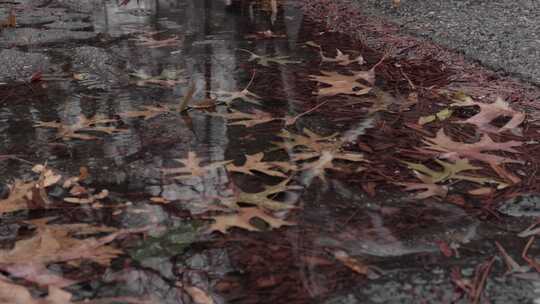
(503, 35)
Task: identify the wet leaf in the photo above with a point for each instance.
(308, 140)
(167, 78)
(449, 171)
(267, 60)
(242, 219)
(11, 20)
(59, 243)
(96, 124)
(343, 84)
(268, 34)
(351, 263)
(342, 59)
(248, 120)
(255, 163)
(198, 295)
(148, 41)
(445, 147)
(149, 112)
(192, 167)
(228, 97)
(20, 193)
(170, 243)
(426, 190)
(325, 161)
(489, 112)
(263, 199)
(442, 115)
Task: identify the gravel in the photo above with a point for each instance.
(503, 35)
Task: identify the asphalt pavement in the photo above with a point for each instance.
(503, 35)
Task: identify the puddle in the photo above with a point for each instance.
(105, 111)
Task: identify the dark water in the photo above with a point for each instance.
(95, 62)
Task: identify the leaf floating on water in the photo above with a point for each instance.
(263, 199)
(266, 60)
(96, 124)
(254, 162)
(149, 112)
(342, 59)
(242, 219)
(247, 120)
(343, 84)
(192, 167)
(228, 97)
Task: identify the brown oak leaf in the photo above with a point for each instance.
(243, 219)
(443, 146)
(489, 112)
(192, 167)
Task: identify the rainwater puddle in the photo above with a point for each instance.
(193, 154)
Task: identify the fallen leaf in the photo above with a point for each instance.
(248, 120)
(81, 126)
(18, 196)
(343, 84)
(489, 112)
(192, 167)
(266, 60)
(263, 199)
(444, 147)
(228, 97)
(147, 41)
(341, 58)
(442, 115)
(149, 112)
(242, 219)
(449, 171)
(426, 190)
(255, 162)
(307, 140)
(198, 295)
(351, 263)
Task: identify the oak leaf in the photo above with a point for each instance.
(266, 60)
(149, 112)
(59, 243)
(426, 189)
(308, 140)
(242, 219)
(443, 146)
(325, 161)
(344, 84)
(255, 162)
(245, 119)
(192, 167)
(341, 58)
(489, 112)
(167, 78)
(96, 124)
(263, 199)
(20, 193)
(147, 40)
